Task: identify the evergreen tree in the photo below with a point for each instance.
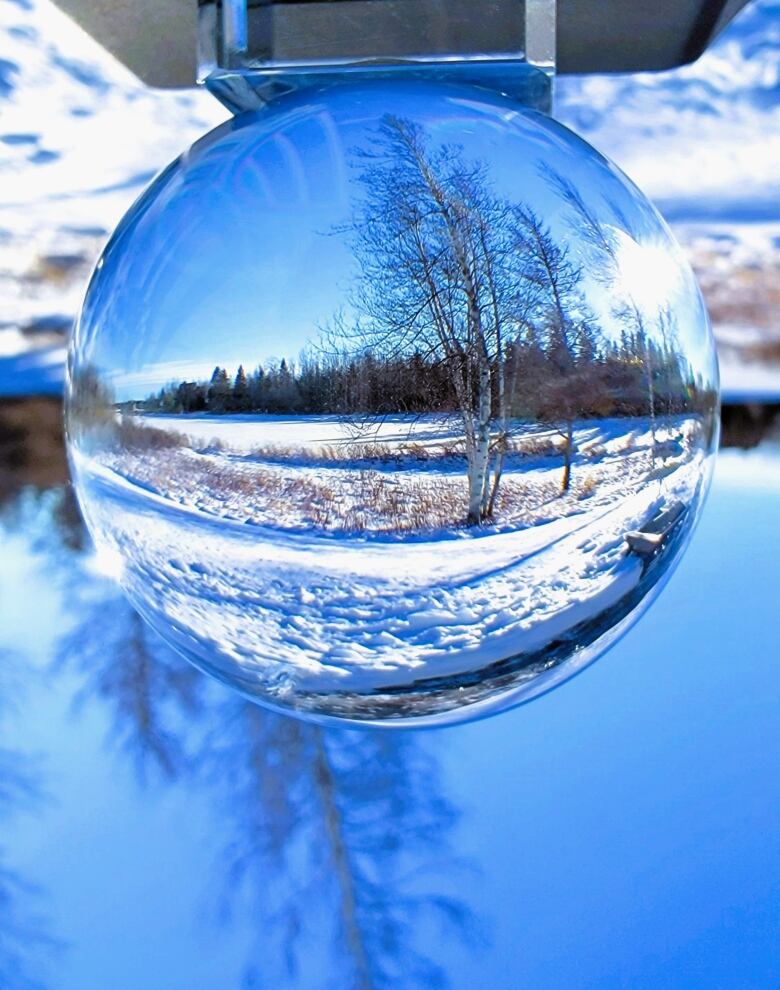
(219, 391)
(240, 391)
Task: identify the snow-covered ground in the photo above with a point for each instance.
(391, 475)
(80, 137)
(286, 607)
(243, 433)
(738, 267)
(702, 140)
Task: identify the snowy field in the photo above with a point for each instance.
(244, 433)
(250, 586)
(384, 476)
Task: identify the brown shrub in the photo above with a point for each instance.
(537, 446)
(627, 444)
(585, 488)
(133, 435)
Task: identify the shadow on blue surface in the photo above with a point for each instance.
(621, 832)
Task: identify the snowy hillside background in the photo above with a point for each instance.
(80, 137)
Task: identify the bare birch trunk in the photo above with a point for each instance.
(479, 465)
(503, 440)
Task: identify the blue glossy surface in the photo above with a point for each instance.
(620, 832)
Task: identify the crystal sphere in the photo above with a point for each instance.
(392, 402)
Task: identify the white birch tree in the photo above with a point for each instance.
(440, 273)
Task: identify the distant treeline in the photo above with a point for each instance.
(599, 379)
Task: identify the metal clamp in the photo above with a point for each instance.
(251, 50)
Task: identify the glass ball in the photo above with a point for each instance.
(392, 402)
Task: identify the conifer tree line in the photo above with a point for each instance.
(606, 378)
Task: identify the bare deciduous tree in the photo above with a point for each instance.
(604, 246)
(440, 273)
(565, 386)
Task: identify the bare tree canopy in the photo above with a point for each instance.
(440, 273)
(453, 271)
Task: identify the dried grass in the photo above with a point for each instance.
(537, 446)
(587, 487)
(364, 501)
(356, 454)
(627, 445)
(135, 436)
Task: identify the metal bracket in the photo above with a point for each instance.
(157, 39)
(251, 51)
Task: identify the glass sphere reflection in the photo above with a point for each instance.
(392, 403)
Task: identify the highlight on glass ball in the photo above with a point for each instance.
(392, 403)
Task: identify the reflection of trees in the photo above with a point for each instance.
(559, 380)
(150, 690)
(349, 827)
(478, 285)
(344, 833)
(331, 828)
(89, 402)
(326, 831)
(31, 456)
(23, 935)
(605, 261)
(467, 304)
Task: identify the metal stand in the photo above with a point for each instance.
(252, 51)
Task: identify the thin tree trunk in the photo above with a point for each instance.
(650, 394)
(483, 512)
(502, 445)
(342, 867)
(567, 457)
(478, 472)
(505, 390)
